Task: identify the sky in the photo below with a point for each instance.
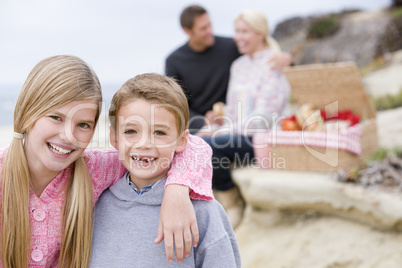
(122, 38)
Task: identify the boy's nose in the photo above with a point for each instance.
(145, 142)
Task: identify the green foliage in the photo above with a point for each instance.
(396, 12)
(382, 153)
(389, 101)
(323, 26)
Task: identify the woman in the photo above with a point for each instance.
(256, 96)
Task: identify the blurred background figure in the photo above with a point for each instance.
(202, 65)
(256, 96)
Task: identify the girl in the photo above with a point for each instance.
(256, 96)
(49, 184)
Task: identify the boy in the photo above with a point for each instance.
(149, 119)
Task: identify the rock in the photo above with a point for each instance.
(301, 219)
(356, 40)
(292, 34)
(309, 191)
(290, 26)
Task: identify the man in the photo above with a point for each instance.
(202, 65)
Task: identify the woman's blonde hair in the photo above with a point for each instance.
(155, 88)
(259, 23)
(53, 82)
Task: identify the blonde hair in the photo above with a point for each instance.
(155, 88)
(53, 82)
(259, 23)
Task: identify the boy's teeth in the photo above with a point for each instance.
(56, 149)
(146, 160)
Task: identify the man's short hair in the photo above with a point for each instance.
(189, 14)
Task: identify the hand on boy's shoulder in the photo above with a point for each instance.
(209, 210)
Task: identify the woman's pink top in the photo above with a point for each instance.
(192, 168)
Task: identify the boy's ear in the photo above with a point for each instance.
(182, 141)
(113, 137)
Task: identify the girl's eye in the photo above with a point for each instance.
(130, 131)
(55, 117)
(84, 125)
(159, 133)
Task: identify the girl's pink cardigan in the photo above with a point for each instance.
(192, 168)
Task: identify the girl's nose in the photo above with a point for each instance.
(67, 135)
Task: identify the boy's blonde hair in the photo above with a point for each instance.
(259, 23)
(155, 88)
(52, 83)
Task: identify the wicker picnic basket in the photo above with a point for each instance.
(323, 85)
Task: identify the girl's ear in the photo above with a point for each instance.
(182, 141)
(113, 137)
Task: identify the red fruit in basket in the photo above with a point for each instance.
(344, 114)
(289, 124)
(354, 119)
(324, 115)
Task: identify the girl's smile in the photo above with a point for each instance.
(59, 138)
(59, 151)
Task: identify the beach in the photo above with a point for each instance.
(6, 133)
(288, 225)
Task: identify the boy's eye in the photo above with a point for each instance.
(160, 133)
(84, 125)
(130, 131)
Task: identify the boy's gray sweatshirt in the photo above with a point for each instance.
(126, 224)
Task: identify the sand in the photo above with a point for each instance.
(5, 135)
(386, 80)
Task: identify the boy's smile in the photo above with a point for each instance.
(143, 159)
(146, 136)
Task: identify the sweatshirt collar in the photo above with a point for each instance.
(124, 192)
